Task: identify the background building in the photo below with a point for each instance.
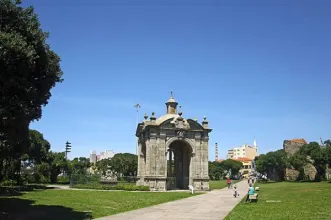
(247, 167)
(93, 156)
(244, 151)
(107, 154)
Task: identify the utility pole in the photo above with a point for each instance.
(67, 149)
(216, 152)
(137, 106)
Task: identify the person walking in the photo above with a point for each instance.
(228, 180)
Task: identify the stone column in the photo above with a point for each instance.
(170, 162)
(148, 162)
(173, 179)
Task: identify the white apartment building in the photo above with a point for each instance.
(244, 151)
(107, 154)
(93, 156)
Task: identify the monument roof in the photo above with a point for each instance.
(165, 117)
(171, 100)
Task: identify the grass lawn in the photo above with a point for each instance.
(219, 184)
(78, 204)
(287, 201)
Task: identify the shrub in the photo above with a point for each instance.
(110, 187)
(9, 183)
(63, 180)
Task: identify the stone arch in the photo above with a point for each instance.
(179, 162)
(188, 141)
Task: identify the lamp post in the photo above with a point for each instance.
(137, 106)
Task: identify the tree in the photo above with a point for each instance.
(272, 164)
(34, 161)
(124, 164)
(79, 165)
(58, 164)
(231, 166)
(215, 170)
(327, 145)
(104, 165)
(311, 153)
(38, 147)
(29, 69)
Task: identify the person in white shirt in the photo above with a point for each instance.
(235, 192)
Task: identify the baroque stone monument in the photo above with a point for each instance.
(173, 151)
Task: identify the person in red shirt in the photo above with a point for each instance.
(229, 182)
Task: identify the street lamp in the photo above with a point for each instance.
(137, 106)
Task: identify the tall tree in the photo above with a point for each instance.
(272, 164)
(315, 154)
(124, 164)
(28, 71)
(58, 164)
(38, 147)
(231, 166)
(215, 170)
(327, 144)
(80, 165)
(104, 165)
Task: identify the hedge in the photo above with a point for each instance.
(110, 187)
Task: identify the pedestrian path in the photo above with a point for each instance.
(210, 206)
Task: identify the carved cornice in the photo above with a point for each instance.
(180, 134)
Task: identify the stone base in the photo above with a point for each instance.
(160, 183)
(154, 183)
(201, 184)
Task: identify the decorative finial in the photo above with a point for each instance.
(152, 118)
(171, 94)
(180, 111)
(205, 122)
(145, 116)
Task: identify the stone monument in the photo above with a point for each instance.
(173, 151)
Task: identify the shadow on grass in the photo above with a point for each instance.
(17, 190)
(15, 208)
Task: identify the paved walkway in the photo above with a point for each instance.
(210, 206)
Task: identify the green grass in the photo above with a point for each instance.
(79, 204)
(219, 184)
(294, 201)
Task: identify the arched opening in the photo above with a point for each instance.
(178, 165)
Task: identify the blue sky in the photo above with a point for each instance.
(254, 69)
